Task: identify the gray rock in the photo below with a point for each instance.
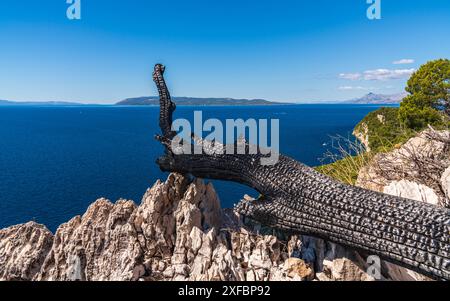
(413, 191)
(101, 245)
(178, 232)
(445, 182)
(23, 249)
(421, 160)
(362, 134)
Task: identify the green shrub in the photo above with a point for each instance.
(416, 118)
(349, 157)
(429, 87)
(384, 134)
(427, 105)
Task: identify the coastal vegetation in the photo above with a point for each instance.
(429, 96)
(426, 105)
(347, 157)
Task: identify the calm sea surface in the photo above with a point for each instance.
(55, 161)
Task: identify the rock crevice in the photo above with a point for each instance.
(178, 232)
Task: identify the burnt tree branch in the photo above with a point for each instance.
(299, 199)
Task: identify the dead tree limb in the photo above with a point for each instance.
(299, 199)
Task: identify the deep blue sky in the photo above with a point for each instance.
(279, 50)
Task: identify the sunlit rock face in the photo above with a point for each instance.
(417, 170)
(410, 190)
(178, 232)
(445, 182)
(23, 249)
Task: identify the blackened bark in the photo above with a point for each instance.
(299, 199)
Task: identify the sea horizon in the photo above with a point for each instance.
(62, 158)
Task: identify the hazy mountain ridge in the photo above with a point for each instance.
(370, 98)
(38, 103)
(195, 101)
(373, 98)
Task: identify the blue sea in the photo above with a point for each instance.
(55, 161)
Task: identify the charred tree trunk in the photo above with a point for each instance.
(299, 199)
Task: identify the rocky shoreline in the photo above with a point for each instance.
(179, 232)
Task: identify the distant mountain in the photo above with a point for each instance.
(370, 98)
(373, 98)
(37, 103)
(195, 101)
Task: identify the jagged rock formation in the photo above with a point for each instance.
(362, 134)
(23, 249)
(100, 245)
(297, 198)
(179, 232)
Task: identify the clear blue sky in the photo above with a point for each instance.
(279, 50)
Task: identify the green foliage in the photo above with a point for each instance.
(430, 85)
(429, 89)
(427, 105)
(385, 129)
(385, 132)
(418, 118)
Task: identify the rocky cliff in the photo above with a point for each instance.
(178, 232)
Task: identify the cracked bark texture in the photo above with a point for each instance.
(297, 198)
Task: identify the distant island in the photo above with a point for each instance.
(371, 98)
(378, 99)
(37, 103)
(196, 101)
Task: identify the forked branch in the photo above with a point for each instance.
(299, 199)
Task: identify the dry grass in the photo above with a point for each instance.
(344, 161)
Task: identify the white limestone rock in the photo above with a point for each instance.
(402, 163)
(410, 190)
(23, 249)
(178, 232)
(445, 182)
